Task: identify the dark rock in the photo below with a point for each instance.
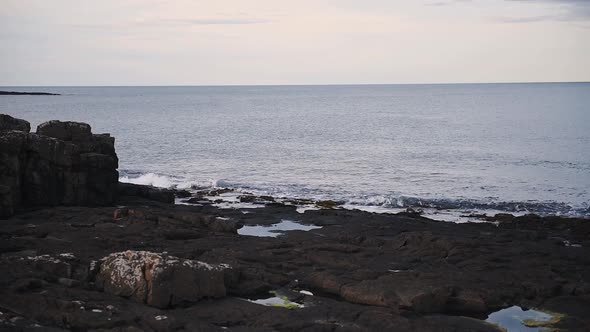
(267, 198)
(219, 191)
(65, 131)
(469, 302)
(69, 167)
(367, 272)
(328, 204)
(18, 93)
(502, 217)
(68, 282)
(6, 203)
(183, 193)
(9, 123)
(181, 235)
(195, 200)
(247, 198)
(224, 226)
(148, 192)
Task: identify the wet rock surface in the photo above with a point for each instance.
(150, 266)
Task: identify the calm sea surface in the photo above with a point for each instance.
(472, 147)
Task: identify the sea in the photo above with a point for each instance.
(449, 150)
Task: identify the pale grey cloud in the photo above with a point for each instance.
(563, 11)
(160, 42)
(555, 10)
(215, 21)
(446, 3)
(529, 19)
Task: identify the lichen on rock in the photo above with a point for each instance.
(158, 279)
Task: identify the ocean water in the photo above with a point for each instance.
(464, 147)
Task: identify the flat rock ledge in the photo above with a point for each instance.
(159, 280)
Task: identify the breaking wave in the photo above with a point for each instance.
(166, 181)
(384, 202)
(474, 206)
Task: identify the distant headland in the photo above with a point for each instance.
(16, 93)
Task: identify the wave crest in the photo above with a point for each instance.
(388, 201)
(149, 179)
(168, 182)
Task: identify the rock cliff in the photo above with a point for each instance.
(63, 163)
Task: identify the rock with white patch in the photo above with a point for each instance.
(160, 280)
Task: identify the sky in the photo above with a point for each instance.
(260, 42)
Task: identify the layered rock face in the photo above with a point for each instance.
(63, 163)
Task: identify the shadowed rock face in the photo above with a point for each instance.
(62, 164)
(9, 123)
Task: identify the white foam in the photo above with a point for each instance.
(372, 208)
(303, 208)
(163, 181)
(220, 183)
(276, 301)
(230, 205)
(149, 179)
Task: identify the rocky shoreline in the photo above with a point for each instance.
(20, 93)
(132, 260)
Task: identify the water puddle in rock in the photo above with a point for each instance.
(275, 229)
(237, 205)
(515, 319)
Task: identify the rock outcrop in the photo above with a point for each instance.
(63, 163)
(9, 123)
(159, 280)
(152, 193)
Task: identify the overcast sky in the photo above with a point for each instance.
(190, 42)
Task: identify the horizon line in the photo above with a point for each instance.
(278, 85)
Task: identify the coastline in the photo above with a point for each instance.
(442, 209)
(81, 251)
(18, 93)
(405, 271)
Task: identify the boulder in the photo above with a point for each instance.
(62, 164)
(159, 280)
(9, 123)
(328, 204)
(65, 131)
(152, 193)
